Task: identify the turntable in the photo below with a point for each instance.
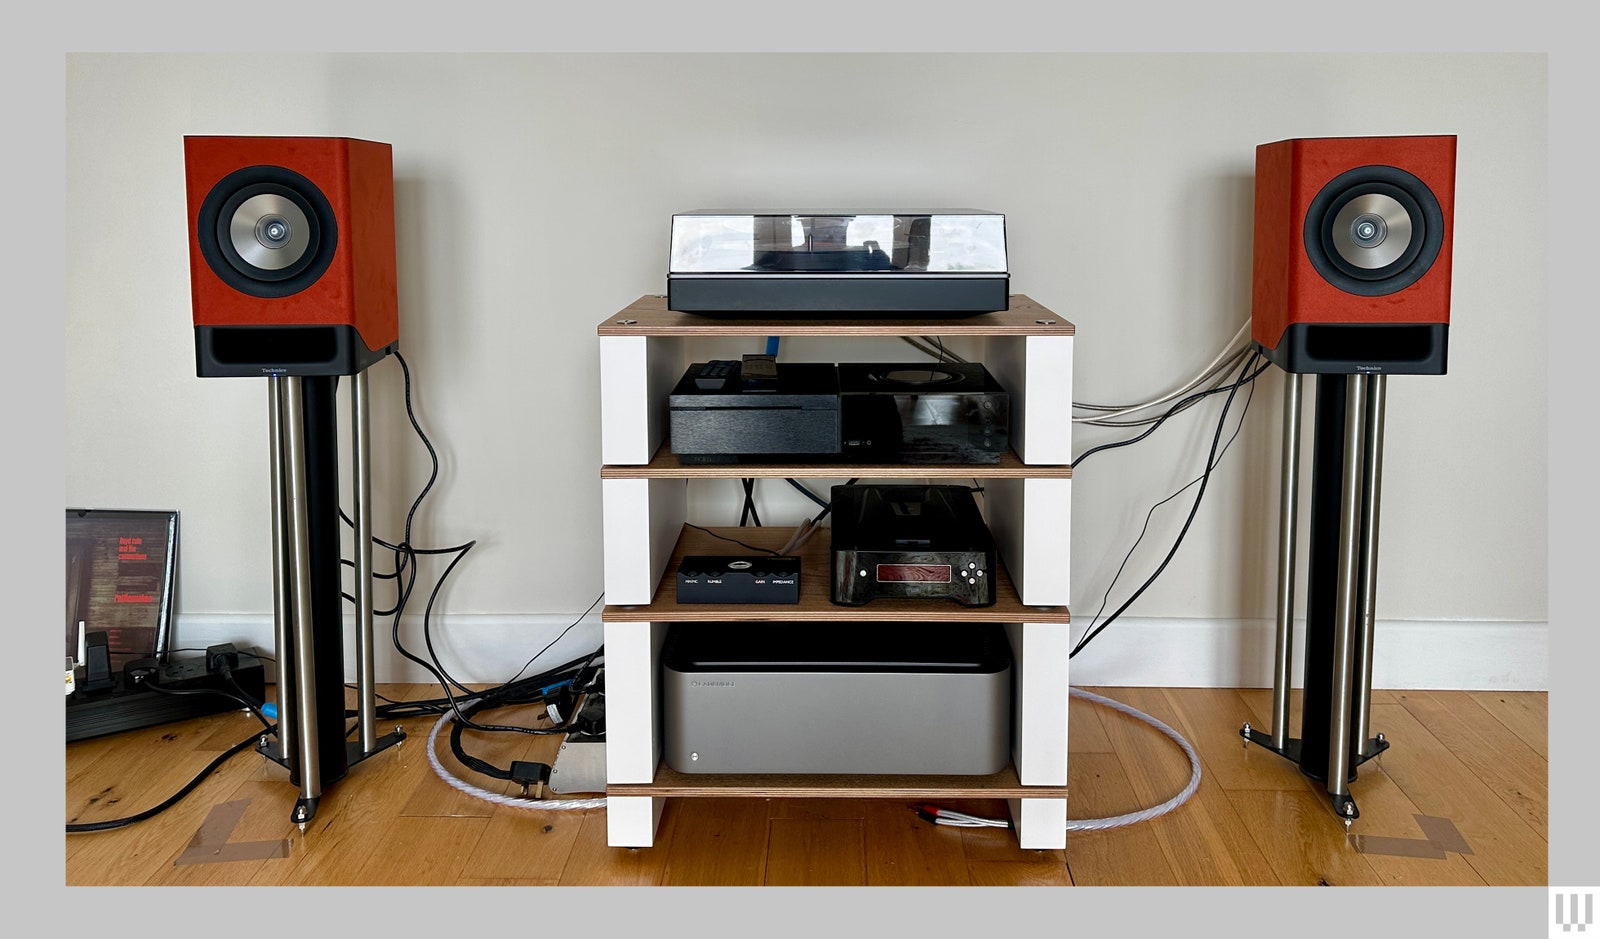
(873, 262)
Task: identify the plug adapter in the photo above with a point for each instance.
(218, 655)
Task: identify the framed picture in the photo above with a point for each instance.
(121, 568)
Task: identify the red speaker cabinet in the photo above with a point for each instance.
(291, 254)
(1352, 254)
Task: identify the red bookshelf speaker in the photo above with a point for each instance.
(291, 254)
(1352, 254)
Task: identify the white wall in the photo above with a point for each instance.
(533, 198)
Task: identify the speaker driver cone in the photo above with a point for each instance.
(269, 232)
(1372, 231)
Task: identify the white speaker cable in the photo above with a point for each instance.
(1118, 821)
(498, 798)
(940, 816)
(1229, 352)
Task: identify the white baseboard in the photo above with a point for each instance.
(1478, 655)
(1132, 652)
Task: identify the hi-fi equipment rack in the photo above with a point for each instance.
(644, 349)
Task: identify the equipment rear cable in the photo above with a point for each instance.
(1246, 377)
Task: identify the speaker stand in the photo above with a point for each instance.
(307, 594)
(1346, 474)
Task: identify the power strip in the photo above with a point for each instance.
(95, 714)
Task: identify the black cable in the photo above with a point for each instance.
(1212, 459)
(171, 801)
(505, 698)
(472, 707)
(556, 639)
(1180, 407)
(227, 675)
(175, 692)
(749, 504)
(346, 562)
(406, 554)
(522, 691)
(807, 493)
(734, 540)
(264, 658)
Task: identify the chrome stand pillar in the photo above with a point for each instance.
(307, 587)
(1342, 583)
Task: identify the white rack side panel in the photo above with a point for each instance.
(636, 376)
(642, 519)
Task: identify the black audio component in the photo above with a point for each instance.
(753, 578)
(184, 688)
(740, 419)
(910, 542)
(922, 413)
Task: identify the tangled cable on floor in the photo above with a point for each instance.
(498, 798)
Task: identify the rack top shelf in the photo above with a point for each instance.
(649, 316)
(815, 602)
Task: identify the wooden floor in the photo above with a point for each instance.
(1460, 798)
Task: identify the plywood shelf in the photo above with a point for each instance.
(668, 465)
(815, 603)
(649, 316)
(670, 782)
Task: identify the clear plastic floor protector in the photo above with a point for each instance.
(211, 845)
(1442, 837)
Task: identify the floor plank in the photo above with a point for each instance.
(1301, 839)
(1495, 754)
(129, 780)
(718, 843)
(816, 852)
(1524, 713)
(1210, 719)
(1506, 849)
(417, 851)
(353, 813)
(1472, 761)
(1084, 733)
(1389, 815)
(592, 862)
(1205, 840)
(265, 819)
(1128, 856)
(1018, 874)
(903, 850)
(525, 844)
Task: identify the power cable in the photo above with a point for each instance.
(81, 827)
